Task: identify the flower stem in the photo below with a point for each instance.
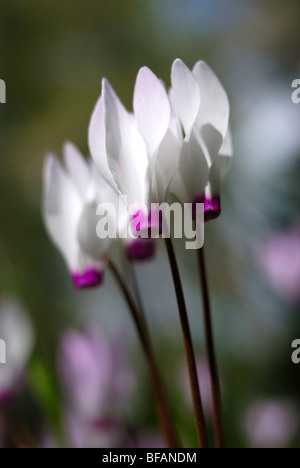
(169, 433)
(212, 362)
(189, 349)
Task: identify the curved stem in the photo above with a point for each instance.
(161, 405)
(212, 362)
(189, 349)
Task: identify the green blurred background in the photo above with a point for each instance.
(53, 56)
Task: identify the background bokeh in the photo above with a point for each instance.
(53, 56)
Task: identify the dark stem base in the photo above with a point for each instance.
(189, 349)
(212, 362)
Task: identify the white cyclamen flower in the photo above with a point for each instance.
(124, 144)
(202, 106)
(70, 199)
(17, 334)
(176, 144)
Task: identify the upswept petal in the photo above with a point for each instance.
(126, 151)
(221, 165)
(214, 107)
(211, 141)
(62, 206)
(151, 108)
(101, 191)
(185, 94)
(167, 163)
(96, 139)
(218, 172)
(193, 167)
(77, 167)
(227, 148)
(178, 188)
(88, 240)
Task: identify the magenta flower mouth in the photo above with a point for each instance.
(139, 250)
(212, 207)
(88, 279)
(4, 396)
(147, 223)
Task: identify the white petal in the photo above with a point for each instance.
(167, 162)
(175, 127)
(218, 172)
(151, 108)
(102, 192)
(152, 180)
(126, 150)
(185, 94)
(227, 149)
(62, 207)
(210, 141)
(221, 165)
(193, 167)
(214, 107)
(96, 138)
(178, 188)
(77, 167)
(87, 236)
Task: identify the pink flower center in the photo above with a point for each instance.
(212, 206)
(140, 249)
(146, 222)
(87, 279)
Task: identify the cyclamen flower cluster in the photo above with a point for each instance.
(174, 144)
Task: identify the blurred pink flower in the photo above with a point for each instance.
(146, 439)
(17, 333)
(95, 374)
(94, 434)
(271, 423)
(82, 433)
(47, 438)
(204, 382)
(107, 434)
(280, 261)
